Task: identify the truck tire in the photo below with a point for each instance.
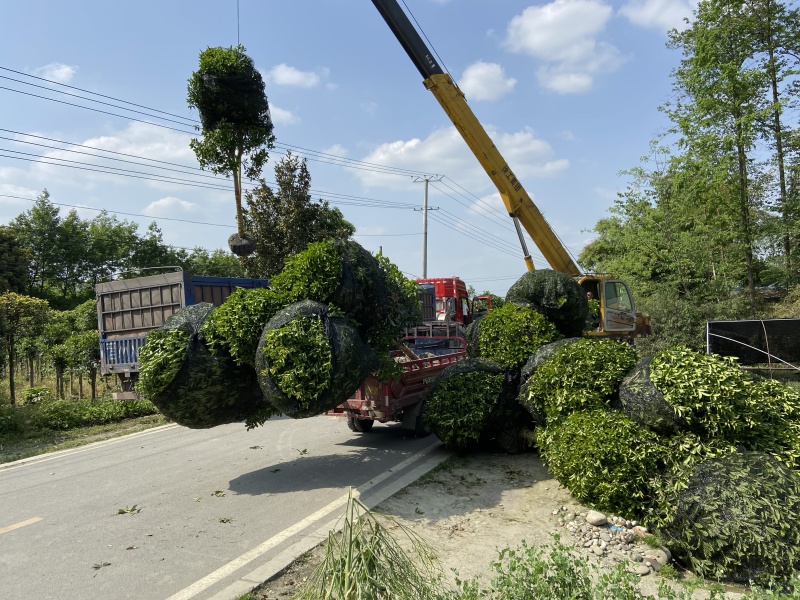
(360, 425)
(421, 427)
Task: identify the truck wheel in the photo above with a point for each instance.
(360, 425)
(421, 427)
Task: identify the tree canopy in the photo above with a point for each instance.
(286, 220)
(228, 91)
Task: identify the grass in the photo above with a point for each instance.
(16, 446)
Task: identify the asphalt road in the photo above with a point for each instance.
(173, 513)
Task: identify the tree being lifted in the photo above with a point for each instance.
(228, 92)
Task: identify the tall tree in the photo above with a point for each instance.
(37, 229)
(284, 221)
(720, 101)
(20, 317)
(111, 246)
(228, 91)
(14, 262)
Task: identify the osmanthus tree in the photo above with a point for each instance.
(286, 220)
(228, 92)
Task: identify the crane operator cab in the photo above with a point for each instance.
(611, 308)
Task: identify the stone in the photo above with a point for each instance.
(596, 518)
(640, 570)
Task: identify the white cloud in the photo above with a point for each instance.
(563, 36)
(281, 116)
(444, 151)
(169, 207)
(336, 150)
(485, 81)
(286, 75)
(490, 205)
(57, 72)
(659, 14)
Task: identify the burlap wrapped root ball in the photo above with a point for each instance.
(579, 376)
(465, 404)
(510, 334)
(309, 361)
(237, 325)
(604, 458)
(738, 519)
(556, 295)
(192, 384)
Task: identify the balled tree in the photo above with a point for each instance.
(228, 92)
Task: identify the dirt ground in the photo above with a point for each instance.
(468, 509)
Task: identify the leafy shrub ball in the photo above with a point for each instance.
(556, 295)
(461, 401)
(738, 519)
(604, 458)
(238, 323)
(578, 376)
(510, 334)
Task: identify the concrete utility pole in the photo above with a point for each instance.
(425, 222)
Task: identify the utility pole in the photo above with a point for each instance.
(425, 210)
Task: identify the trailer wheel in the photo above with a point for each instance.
(360, 425)
(421, 427)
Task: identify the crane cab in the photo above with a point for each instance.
(612, 312)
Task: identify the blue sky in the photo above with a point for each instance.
(568, 90)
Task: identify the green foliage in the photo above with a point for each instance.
(160, 359)
(237, 324)
(510, 334)
(299, 359)
(313, 274)
(715, 397)
(69, 414)
(739, 520)
(529, 573)
(462, 400)
(36, 395)
(12, 419)
(14, 260)
(554, 294)
(604, 458)
(285, 220)
(366, 562)
(578, 376)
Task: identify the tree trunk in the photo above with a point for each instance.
(80, 385)
(31, 371)
(744, 208)
(237, 191)
(11, 359)
(93, 381)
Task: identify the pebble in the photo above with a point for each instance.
(614, 538)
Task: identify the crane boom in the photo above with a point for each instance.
(518, 203)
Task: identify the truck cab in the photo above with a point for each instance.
(451, 299)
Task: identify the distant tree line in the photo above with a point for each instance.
(709, 226)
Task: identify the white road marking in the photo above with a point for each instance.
(35, 460)
(266, 546)
(20, 524)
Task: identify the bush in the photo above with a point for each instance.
(309, 361)
(511, 333)
(604, 458)
(578, 376)
(715, 398)
(237, 324)
(556, 295)
(36, 395)
(11, 419)
(739, 519)
(190, 383)
(461, 401)
(69, 414)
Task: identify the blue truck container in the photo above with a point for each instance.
(129, 308)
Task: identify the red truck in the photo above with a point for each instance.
(423, 352)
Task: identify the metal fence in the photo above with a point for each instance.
(774, 343)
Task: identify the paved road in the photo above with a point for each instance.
(209, 511)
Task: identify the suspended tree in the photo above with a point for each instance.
(228, 92)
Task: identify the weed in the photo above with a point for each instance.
(129, 510)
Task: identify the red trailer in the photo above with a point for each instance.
(424, 352)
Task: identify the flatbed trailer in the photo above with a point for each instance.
(423, 353)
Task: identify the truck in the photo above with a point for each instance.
(617, 317)
(127, 309)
